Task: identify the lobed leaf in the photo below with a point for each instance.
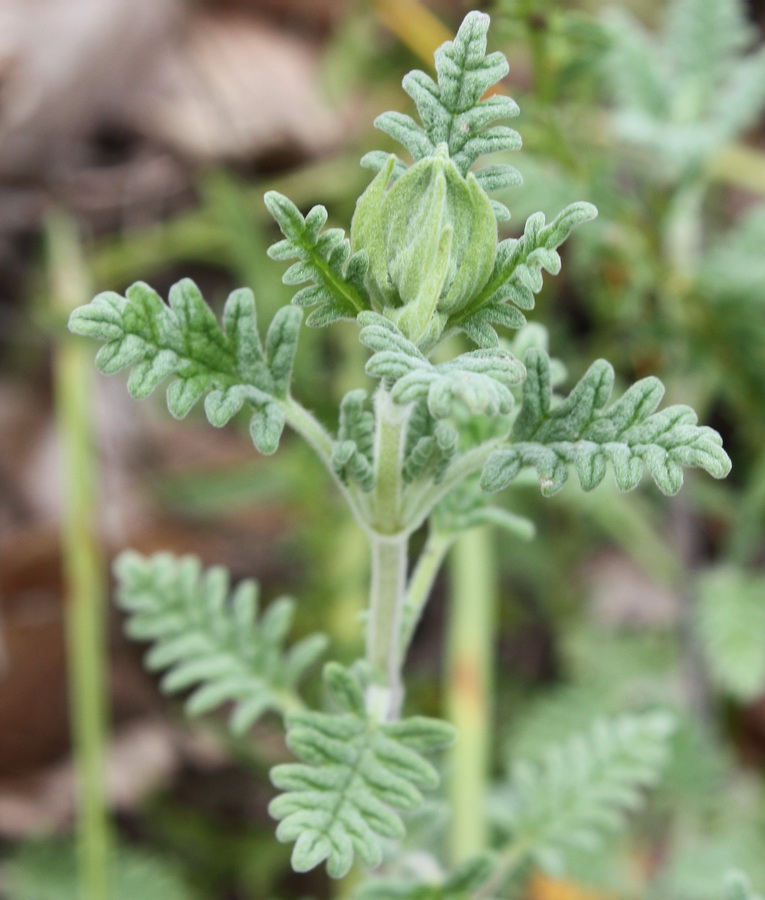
(356, 776)
(324, 259)
(581, 789)
(353, 452)
(453, 110)
(184, 341)
(580, 431)
(517, 275)
(211, 640)
(480, 380)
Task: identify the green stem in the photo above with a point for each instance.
(419, 504)
(386, 601)
(421, 583)
(389, 551)
(318, 438)
(83, 572)
(470, 664)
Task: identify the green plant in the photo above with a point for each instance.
(422, 265)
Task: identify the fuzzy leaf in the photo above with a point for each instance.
(336, 276)
(481, 380)
(355, 777)
(517, 275)
(582, 432)
(453, 112)
(466, 507)
(184, 341)
(581, 789)
(352, 454)
(687, 91)
(210, 640)
(430, 446)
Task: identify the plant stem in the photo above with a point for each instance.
(389, 551)
(386, 601)
(470, 663)
(316, 436)
(83, 571)
(421, 583)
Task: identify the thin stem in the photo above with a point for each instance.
(470, 664)
(318, 438)
(421, 583)
(419, 504)
(83, 571)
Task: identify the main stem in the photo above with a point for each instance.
(389, 555)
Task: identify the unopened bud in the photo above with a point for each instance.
(431, 240)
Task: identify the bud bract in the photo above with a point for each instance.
(431, 239)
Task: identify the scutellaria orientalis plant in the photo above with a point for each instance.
(422, 263)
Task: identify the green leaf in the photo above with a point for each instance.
(581, 789)
(184, 341)
(211, 640)
(731, 621)
(356, 776)
(517, 275)
(582, 432)
(324, 259)
(352, 453)
(466, 507)
(687, 91)
(480, 380)
(431, 444)
(453, 112)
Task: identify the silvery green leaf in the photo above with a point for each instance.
(225, 363)
(352, 453)
(455, 111)
(517, 275)
(336, 276)
(582, 432)
(210, 639)
(480, 380)
(430, 445)
(581, 790)
(356, 776)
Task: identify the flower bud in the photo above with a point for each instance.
(431, 240)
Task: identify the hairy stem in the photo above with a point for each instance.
(389, 551)
(386, 601)
(318, 438)
(470, 663)
(83, 572)
(421, 583)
